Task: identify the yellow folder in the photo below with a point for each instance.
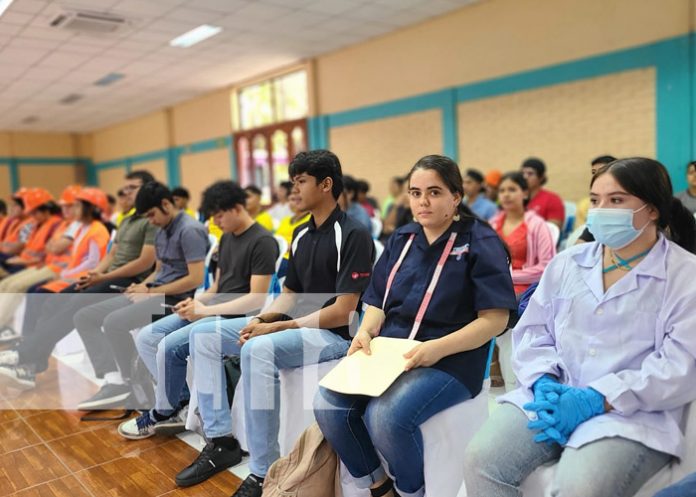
(362, 374)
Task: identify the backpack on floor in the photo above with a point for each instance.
(311, 469)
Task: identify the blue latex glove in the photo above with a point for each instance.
(558, 420)
(546, 390)
(538, 387)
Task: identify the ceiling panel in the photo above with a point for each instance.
(40, 64)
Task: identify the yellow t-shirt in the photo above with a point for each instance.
(581, 212)
(191, 213)
(214, 229)
(265, 220)
(122, 215)
(286, 228)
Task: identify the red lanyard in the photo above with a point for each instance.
(433, 282)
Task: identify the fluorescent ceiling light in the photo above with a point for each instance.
(3, 5)
(194, 36)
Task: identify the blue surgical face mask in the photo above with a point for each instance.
(614, 227)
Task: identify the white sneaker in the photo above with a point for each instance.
(9, 357)
(138, 428)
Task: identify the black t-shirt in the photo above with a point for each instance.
(254, 252)
(586, 236)
(334, 258)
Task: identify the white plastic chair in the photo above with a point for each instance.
(555, 232)
(379, 248)
(376, 227)
(282, 248)
(208, 280)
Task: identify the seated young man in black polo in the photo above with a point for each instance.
(331, 255)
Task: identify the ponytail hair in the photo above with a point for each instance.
(682, 226)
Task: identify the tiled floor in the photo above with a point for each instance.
(51, 453)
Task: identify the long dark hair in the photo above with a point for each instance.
(517, 178)
(648, 180)
(449, 173)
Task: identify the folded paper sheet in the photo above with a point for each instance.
(362, 374)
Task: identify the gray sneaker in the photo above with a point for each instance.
(174, 424)
(109, 396)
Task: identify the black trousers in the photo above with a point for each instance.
(50, 317)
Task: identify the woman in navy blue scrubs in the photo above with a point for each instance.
(445, 281)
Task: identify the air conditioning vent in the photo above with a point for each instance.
(90, 22)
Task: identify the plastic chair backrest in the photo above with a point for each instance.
(570, 215)
(379, 248)
(283, 247)
(213, 241)
(112, 239)
(555, 232)
(376, 227)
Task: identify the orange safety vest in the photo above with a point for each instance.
(6, 226)
(12, 235)
(57, 262)
(96, 232)
(36, 245)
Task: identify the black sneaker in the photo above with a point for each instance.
(108, 397)
(212, 459)
(252, 486)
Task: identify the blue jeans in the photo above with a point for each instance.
(685, 488)
(358, 426)
(262, 358)
(503, 453)
(164, 348)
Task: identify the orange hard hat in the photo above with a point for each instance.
(69, 195)
(20, 193)
(35, 197)
(493, 177)
(94, 196)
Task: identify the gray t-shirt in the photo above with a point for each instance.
(183, 241)
(133, 233)
(254, 252)
(688, 200)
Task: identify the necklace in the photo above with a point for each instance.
(623, 264)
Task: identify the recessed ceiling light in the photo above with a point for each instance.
(3, 5)
(194, 36)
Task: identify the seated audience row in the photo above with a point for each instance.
(603, 353)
